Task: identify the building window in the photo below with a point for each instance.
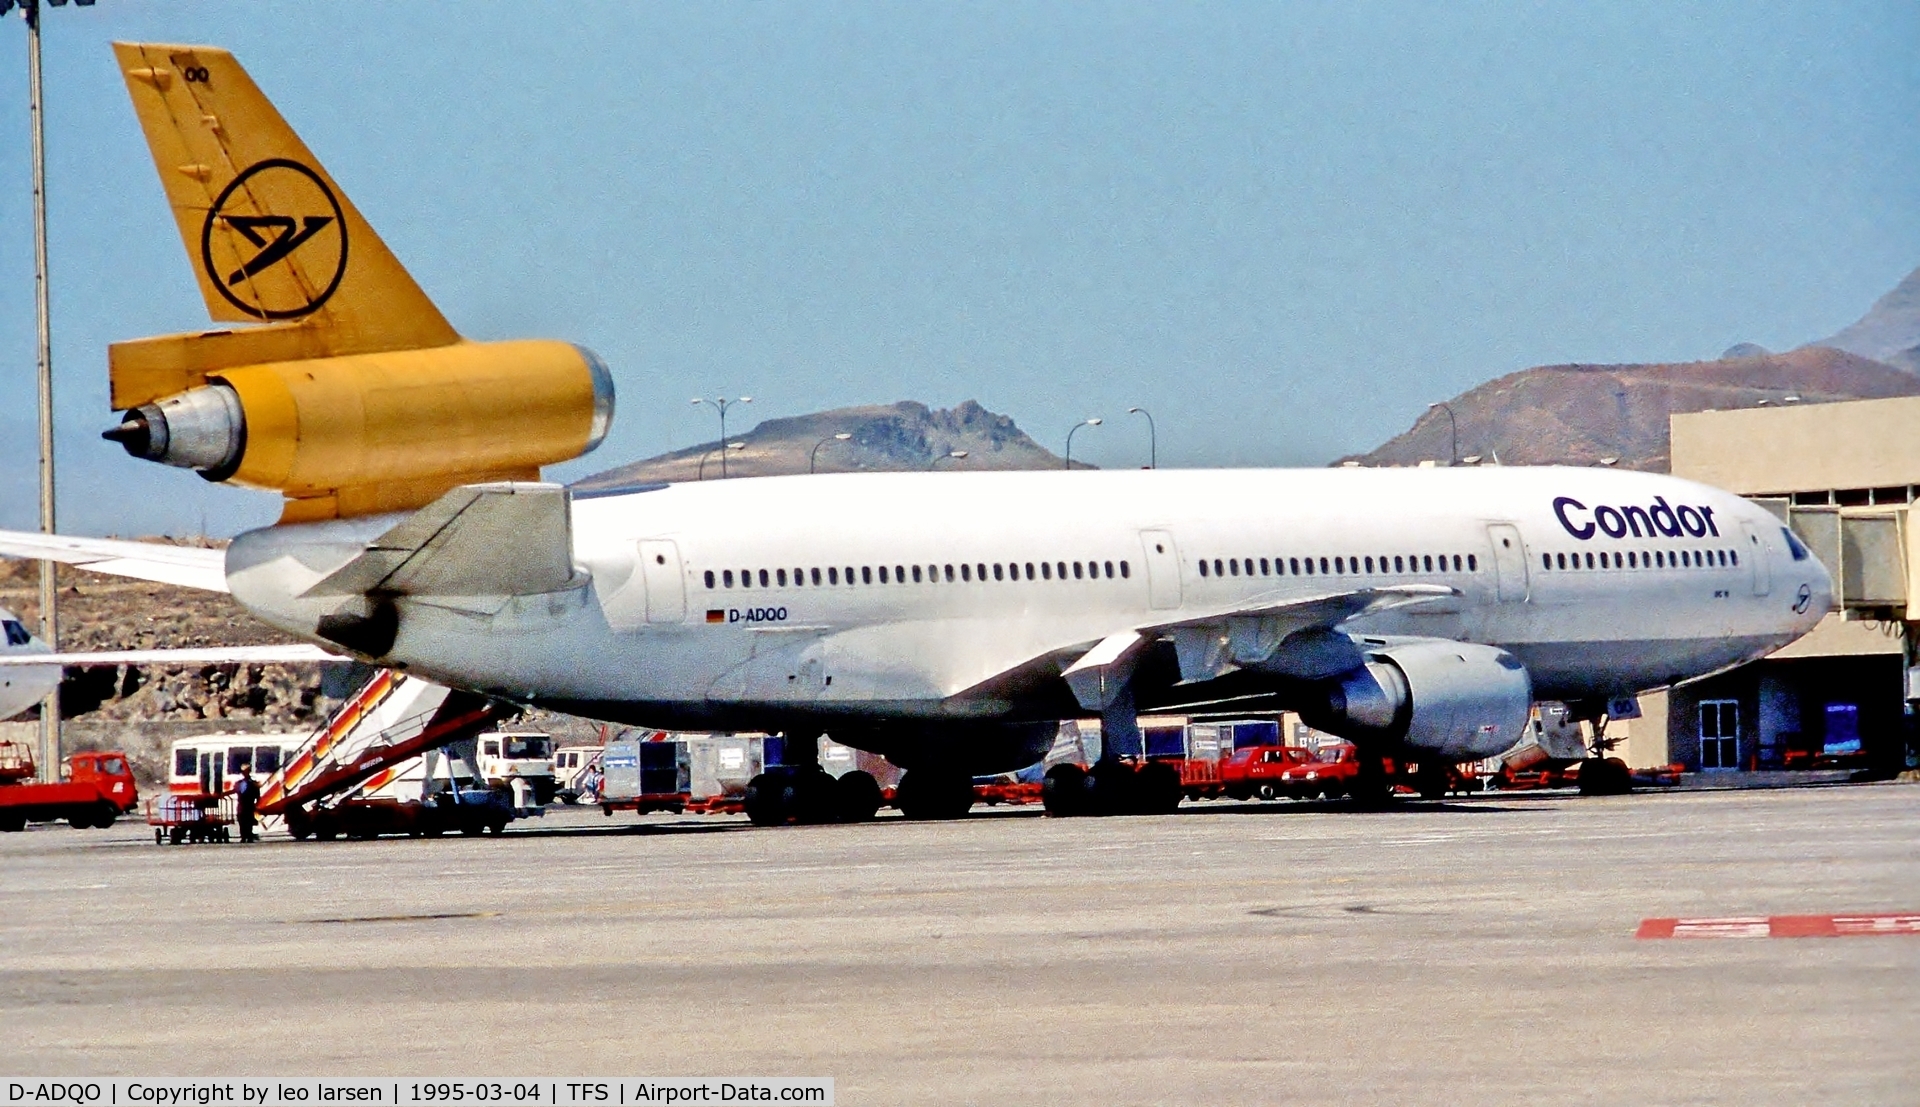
(1719, 734)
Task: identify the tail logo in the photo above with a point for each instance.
(275, 241)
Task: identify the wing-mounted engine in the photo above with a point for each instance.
(1459, 700)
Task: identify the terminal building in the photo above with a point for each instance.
(1843, 476)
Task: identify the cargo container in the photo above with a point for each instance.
(644, 775)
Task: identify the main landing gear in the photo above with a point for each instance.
(1112, 787)
(807, 795)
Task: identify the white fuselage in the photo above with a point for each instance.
(23, 686)
(755, 602)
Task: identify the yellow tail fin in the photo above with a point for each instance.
(271, 237)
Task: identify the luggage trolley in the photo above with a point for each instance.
(190, 818)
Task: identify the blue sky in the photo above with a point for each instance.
(1282, 228)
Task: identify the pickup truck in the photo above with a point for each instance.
(1329, 773)
(1259, 770)
(94, 790)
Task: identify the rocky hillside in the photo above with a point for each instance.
(1889, 331)
(884, 437)
(1582, 414)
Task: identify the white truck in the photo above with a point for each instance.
(524, 755)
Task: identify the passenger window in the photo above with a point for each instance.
(966, 572)
(815, 574)
(1589, 561)
(1109, 568)
(1561, 559)
(266, 759)
(1473, 563)
(238, 760)
(1323, 566)
(763, 578)
(1339, 564)
(1309, 565)
(1076, 571)
(996, 572)
(833, 574)
(1046, 571)
(1125, 571)
(727, 578)
(1203, 568)
(1060, 569)
(709, 578)
(781, 577)
(883, 574)
(900, 574)
(949, 574)
(866, 574)
(1217, 571)
(1233, 566)
(1294, 564)
(1030, 571)
(1399, 566)
(186, 760)
(1263, 568)
(1734, 555)
(1427, 559)
(916, 574)
(1633, 562)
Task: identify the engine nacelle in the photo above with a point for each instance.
(1459, 700)
(359, 434)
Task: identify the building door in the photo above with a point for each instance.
(666, 583)
(1163, 569)
(1719, 734)
(1509, 562)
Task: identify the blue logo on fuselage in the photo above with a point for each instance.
(1658, 520)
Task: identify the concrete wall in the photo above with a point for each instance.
(1775, 450)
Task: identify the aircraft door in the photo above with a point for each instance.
(1163, 569)
(1509, 562)
(1762, 560)
(666, 582)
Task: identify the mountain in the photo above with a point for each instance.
(885, 437)
(1889, 331)
(1580, 414)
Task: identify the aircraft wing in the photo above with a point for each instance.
(297, 653)
(1296, 637)
(188, 566)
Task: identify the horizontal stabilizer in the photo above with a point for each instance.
(507, 539)
(212, 655)
(188, 566)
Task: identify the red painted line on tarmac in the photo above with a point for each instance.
(1783, 926)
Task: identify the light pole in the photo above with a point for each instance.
(1093, 422)
(721, 404)
(723, 458)
(950, 455)
(49, 594)
(1453, 442)
(811, 454)
(1153, 437)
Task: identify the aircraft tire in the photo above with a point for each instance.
(1115, 789)
(1605, 777)
(1431, 781)
(925, 795)
(762, 801)
(856, 797)
(1063, 791)
(1157, 789)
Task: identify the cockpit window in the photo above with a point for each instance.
(1794, 545)
(16, 634)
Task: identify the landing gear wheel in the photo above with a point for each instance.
(761, 801)
(1115, 788)
(1064, 791)
(856, 797)
(1431, 780)
(925, 794)
(1157, 789)
(1605, 777)
(1371, 789)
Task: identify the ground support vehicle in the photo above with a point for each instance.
(178, 819)
(470, 812)
(1262, 771)
(576, 774)
(1012, 792)
(645, 775)
(94, 790)
(505, 756)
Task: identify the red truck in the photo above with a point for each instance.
(94, 790)
(1260, 771)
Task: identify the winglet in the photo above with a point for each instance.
(271, 237)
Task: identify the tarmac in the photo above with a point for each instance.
(1476, 950)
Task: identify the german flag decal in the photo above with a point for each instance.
(715, 615)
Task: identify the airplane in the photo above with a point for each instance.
(945, 620)
(23, 685)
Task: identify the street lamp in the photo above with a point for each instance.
(1453, 443)
(841, 437)
(49, 594)
(721, 404)
(950, 455)
(1093, 422)
(1153, 437)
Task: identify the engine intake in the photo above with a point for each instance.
(1459, 700)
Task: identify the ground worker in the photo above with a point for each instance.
(522, 792)
(245, 794)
